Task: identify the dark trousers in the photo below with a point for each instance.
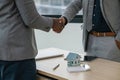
(18, 70)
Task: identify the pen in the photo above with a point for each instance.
(56, 66)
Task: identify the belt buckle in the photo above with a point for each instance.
(104, 34)
(98, 34)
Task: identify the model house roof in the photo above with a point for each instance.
(72, 56)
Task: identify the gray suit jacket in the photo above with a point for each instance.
(18, 19)
(110, 10)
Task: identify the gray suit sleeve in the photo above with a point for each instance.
(72, 9)
(31, 17)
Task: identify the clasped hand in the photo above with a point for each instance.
(58, 24)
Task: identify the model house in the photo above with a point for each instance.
(73, 59)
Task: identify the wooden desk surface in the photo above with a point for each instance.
(100, 70)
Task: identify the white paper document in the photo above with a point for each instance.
(47, 53)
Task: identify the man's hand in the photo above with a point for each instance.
(117, 43)
(58, 24)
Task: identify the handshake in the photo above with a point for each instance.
(58, 24)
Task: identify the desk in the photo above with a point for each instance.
(100, 69)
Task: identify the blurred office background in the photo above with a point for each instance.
(70, 38)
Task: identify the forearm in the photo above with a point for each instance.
(72, 9)
(31, 17)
